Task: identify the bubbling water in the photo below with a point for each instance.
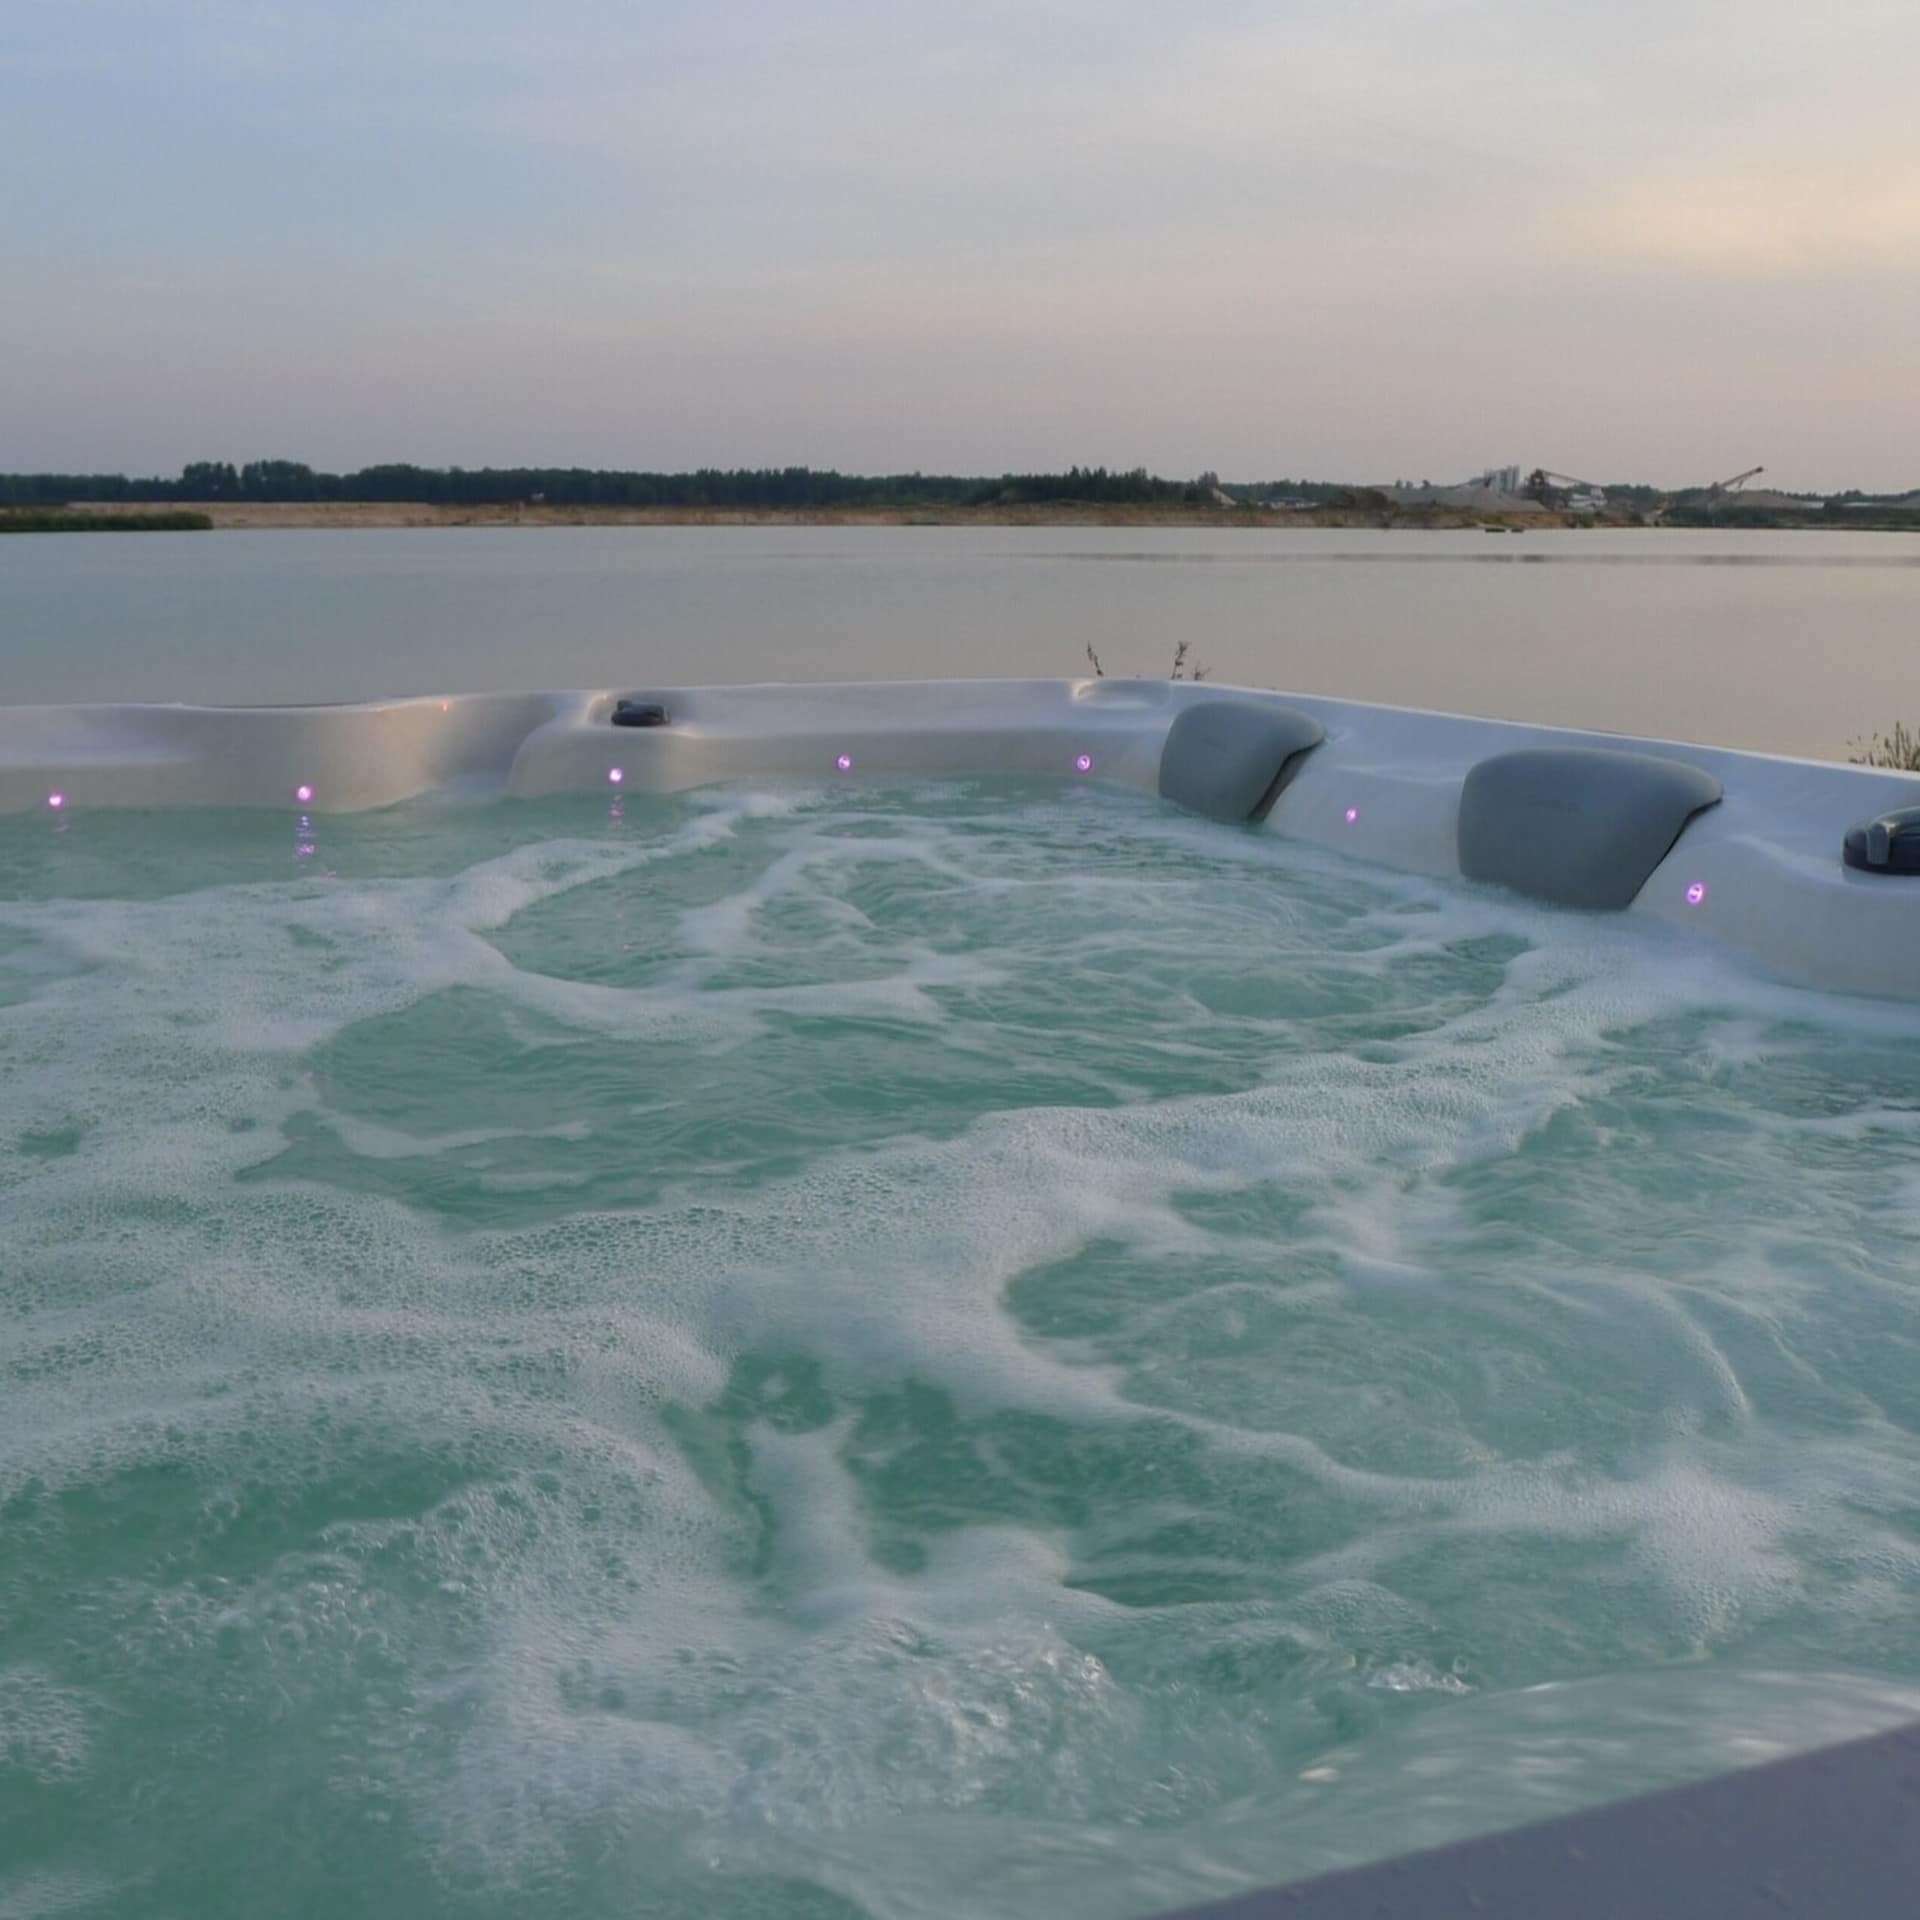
(969, 1349)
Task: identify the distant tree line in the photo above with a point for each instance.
(742, 487)
(1135, 487)
(1322, 493)
(747, 488)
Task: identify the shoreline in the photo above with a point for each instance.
(247, 516)
(365, 515)
(259, 516)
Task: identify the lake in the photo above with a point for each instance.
(1790, 642)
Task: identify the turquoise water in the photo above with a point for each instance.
(978, 1350)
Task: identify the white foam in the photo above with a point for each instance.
(666, 1670)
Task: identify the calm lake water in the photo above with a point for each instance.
(1795, 642)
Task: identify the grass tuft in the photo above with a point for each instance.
(1181, 671)
(1898, 750)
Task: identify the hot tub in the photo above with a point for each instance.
(830, 1304)
(1760, 873)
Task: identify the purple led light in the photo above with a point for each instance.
(844, 763)
(56, 801)
(1083, 763)
(616, 774)
(1353, 814)
(1696, 893)
(303, 793)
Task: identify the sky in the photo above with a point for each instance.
(1350, 239)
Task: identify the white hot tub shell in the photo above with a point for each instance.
(1760, 872)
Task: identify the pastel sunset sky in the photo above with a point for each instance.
(1349, 239)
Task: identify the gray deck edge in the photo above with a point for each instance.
(1833, 1833)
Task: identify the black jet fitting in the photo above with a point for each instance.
(639, 713)
(1890, 844)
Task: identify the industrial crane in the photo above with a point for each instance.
(1734, 485)
(1702, 497)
